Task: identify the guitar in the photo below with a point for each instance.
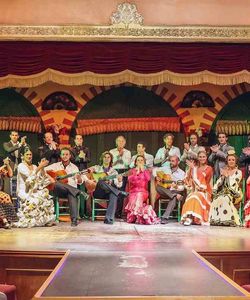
(166, 181)
(95, 177)
(62, 176)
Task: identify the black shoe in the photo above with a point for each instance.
(74, 223)
(109, 222)
(124, 194)
(164, 221)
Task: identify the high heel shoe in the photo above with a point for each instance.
(188, 222)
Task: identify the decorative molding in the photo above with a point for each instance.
(120, 32)
(126, 15)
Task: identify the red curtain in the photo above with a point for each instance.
(27, 58)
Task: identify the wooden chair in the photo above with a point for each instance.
(95, 209)
(176, 214)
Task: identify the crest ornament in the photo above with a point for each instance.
(126, 15)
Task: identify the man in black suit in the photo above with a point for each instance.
(81, 154)
(50, 149)
(14, 149)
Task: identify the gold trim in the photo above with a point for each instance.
(122, 77)
(82, 33)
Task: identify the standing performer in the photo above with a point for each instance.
(49, 150)
(68, 190)
(141, 150)
(163, 154)
(121, 162)
(14, 150)
(81, 154)
(218, 154)
(191, 148)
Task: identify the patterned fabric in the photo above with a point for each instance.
(7, 210)
(227, 193)
(36, 205)
(197, 203)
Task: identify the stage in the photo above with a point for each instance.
(133, 260)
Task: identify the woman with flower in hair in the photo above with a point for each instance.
(137, 209)
(36, 205)
(227, 194)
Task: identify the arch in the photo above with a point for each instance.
(228, 95)
(18, 106)
(126, 101)
(197, 98)
(236, 110)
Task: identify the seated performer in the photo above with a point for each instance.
(191, 148)
(7, 211)
(219, 154)
(163, 154)
(226, 194)
(173, 191)
(36, 205)
(81, 154)
(68, 190)
(121, 162)
(199, 182)
(137, 209)
(141, 151)
(247, 204)
(49, 150)
(106, 188)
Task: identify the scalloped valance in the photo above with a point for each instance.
(233, 127)
(105, 64)
(28, 124)
(95, 126)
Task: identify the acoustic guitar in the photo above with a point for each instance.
(62, 176)
(166, 180)
(95, 177)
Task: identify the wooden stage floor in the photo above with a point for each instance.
(132, 260)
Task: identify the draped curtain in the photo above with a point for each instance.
(111, 63)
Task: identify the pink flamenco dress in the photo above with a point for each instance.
(247, 206)
(137, 209)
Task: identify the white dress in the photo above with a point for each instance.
(36, 205)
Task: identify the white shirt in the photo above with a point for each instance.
(70, 168)
(149, 160)
(161, 154)
(122, 162)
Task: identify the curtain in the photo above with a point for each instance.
(181, 63)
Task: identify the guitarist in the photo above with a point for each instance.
(171, 193)
(69, 190)
(121, 162)
(108, 189)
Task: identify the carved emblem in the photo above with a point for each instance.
(126, 15)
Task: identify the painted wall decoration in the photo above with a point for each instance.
(59, 101)
(194, 99)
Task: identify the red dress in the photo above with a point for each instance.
(138, 211)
